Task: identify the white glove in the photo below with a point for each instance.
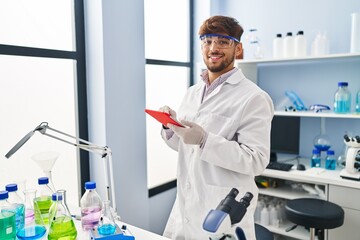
(167, 109)
(191, 134)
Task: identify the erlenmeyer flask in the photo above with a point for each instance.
(61, 224)
(107, 224)
(46, 161)
(31, 230)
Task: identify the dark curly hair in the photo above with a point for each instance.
(222, 25)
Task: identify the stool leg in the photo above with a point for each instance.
(312, 233)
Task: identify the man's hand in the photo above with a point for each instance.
(191, 134)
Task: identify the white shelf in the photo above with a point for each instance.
(299, 232)
(320, 114)
(285, 192)
(309, 58)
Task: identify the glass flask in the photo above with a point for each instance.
(322, 142)
(31, 230)
(107, 224)
(61, 223)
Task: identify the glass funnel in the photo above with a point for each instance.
(31, 230)
(46, 161)
(61, 223)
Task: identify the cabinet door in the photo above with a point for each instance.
(350, 229)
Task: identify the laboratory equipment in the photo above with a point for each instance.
(300, 45)
(342, 98)
(355, 33)
(315, 158)
(61, 223)
(91, 206)
(330, 161)
(31, 230)
(357, 107)
(322, 141)
(105, 153)
(278, 46)
(219, 222)
(7, 218)
(17, 204)
(46, 161)
(352, 167)
(107, 224)
(289, 45)
(42, 202)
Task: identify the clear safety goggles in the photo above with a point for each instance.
(221, 41)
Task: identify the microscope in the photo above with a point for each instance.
(352, 166)
(220, 222)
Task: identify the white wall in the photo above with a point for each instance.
(116, 93)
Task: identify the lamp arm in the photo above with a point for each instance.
(105, 153)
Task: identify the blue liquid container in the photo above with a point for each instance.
(31, 232)
(107, 229)
(315, 159)
(18, 204)
(357, 107)
(330, 162)
(342, 99)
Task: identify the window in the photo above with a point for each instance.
(42, 80)
(168, 73)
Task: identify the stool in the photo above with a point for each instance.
(314, 214)
(262, 233)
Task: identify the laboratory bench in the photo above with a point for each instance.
(343, 192)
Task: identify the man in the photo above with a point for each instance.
(226, 140)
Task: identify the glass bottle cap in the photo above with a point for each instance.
(90, 185)
(11, 187)
(4, 195)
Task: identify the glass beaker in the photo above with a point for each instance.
(61, 223)
(31, 230)
(322, 142)
(107, 224)
(46, 161)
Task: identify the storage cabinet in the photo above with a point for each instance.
(343, 192)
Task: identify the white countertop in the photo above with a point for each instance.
(313, 175)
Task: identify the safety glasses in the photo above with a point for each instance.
(221, 41)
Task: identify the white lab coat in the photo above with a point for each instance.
(237, 116)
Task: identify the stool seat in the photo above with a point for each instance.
(314, 213)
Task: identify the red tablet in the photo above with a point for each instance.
(162, 117)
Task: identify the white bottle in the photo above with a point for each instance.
(273, 216)
(288, 49)
(300, 45)
(355, 33)
(278, 46)
(265, 218)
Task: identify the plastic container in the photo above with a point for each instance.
(61, 223)
(315, 158)
(278, 47)
(342, 99)
(7, 218)
(289, 47)
(18, 204)
(355, 33)
(330, 161)
(265, 216)
(357, 101)
(300, 45)
(43, 202)
(91, 206)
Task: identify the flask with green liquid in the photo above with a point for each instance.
(61, 224)
(7, 218)
(42, 202)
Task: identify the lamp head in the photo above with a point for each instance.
(41, 128)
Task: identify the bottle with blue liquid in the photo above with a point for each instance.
(315, 159)
(330, 162)
(18, 205)
(342, 99)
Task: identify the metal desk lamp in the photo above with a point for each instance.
(104, 151)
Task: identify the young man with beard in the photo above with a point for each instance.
(226, 141)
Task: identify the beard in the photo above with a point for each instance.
(224, 64)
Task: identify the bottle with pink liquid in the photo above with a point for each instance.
(91, 206)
